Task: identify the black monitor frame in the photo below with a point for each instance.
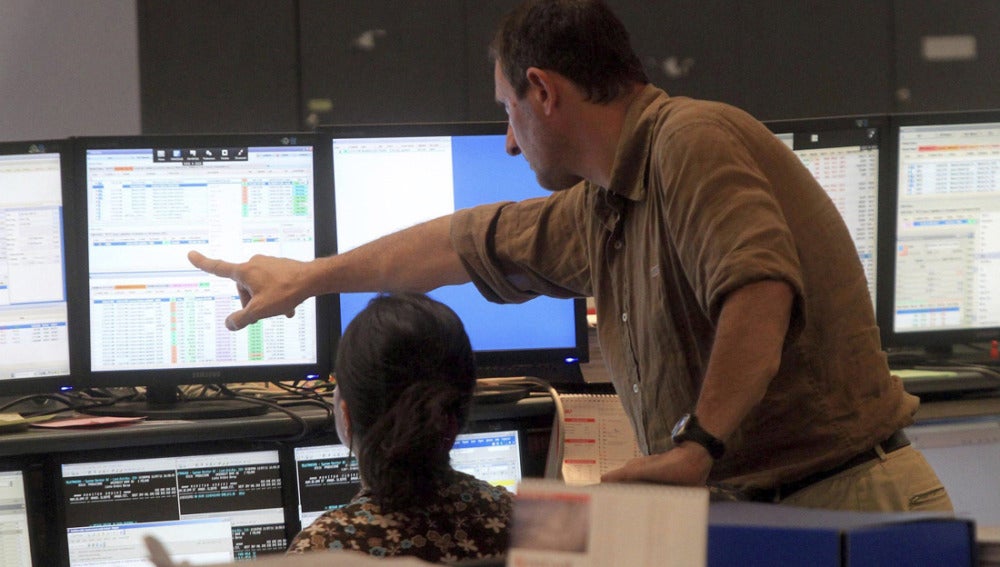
(51, 384)
(557, 365)
(937, 344)
(161, 384)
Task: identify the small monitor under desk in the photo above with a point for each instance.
(206, 505)
(15, 538)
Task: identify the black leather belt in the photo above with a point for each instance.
(895, 441)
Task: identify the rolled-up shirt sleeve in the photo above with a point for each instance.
(517, 251)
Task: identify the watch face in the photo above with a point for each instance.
(681, 425)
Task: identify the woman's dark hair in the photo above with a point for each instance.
(405, 368)
(579, 39)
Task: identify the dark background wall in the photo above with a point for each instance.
(245, 65)
(68, 68)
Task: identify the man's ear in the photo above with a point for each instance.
(543, 88)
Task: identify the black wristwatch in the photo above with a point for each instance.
(688, 429)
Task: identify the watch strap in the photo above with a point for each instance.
(688, 429)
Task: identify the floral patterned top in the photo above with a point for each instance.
(466, 519)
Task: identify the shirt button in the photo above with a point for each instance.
(625, 317)
(618, 245)
(635, 388)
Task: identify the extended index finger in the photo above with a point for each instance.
(212, 265)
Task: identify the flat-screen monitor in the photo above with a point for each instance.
(149, 318)
(493, 456)
(204, 506)
(327, 478)
(390, 177)
(35, 177)
(944, 225)
(327, 474)
(15, 532)
(847, 157)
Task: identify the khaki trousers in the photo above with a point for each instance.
(900, 481)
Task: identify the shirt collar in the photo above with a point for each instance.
(630, 170)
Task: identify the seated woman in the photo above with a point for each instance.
(405, 378)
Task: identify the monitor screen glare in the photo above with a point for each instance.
(147, 207)
(34, 339)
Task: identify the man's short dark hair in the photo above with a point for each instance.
(580, 39)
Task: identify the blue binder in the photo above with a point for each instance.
(747, 534)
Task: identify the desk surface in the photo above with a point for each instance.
(959, 408)
(272, 425)
(275, 425)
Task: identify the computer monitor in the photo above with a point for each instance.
(493, 456)
(390, 177)
(943, 225)
(15, 531)
(847, 157)
(35, 178)
(149, 318)
(328, 476)
(204, 505)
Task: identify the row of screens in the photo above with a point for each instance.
(96, 288)
(205, 506)
(920, 195)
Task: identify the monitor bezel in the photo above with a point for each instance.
(172, 377)
(52, 384)
(489, 363)
(936, 342)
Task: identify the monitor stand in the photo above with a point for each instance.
(163, 403)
